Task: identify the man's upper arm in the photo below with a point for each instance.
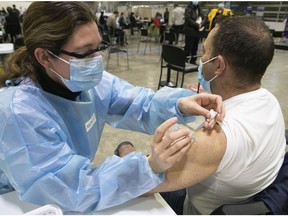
(201, 160)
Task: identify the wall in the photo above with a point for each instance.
(23, 4)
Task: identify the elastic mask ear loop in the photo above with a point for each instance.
(50, 68)
(198, 87)
(58, 57)
(213, 78)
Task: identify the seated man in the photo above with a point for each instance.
(241, 156)
(114, 29)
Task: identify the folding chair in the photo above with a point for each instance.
(114, 47)
(145, 37)
(175, 60)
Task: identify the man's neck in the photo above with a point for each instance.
(230, 92)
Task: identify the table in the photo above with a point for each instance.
(6, 48)
(151, 205)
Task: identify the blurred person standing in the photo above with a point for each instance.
(217, 13)
(102, 20)
(191, 30)
(166, 16)
(12, 24)
(15, 10)
(177, 20)
(122, 21)
(132, 20)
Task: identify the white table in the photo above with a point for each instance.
(6, 48)
(151, 205)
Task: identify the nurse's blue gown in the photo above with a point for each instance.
(47, 142)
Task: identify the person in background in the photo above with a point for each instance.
(112, 23)
(114, 28)
(191, 30)
(16, 11)
(166, 16)
(101, 22)
(12, 25)
(177, 21)
(122, 21)
(241, 156)
(154, 27)
(22, 14)
(2, 18)
(216, 14)
(132, 20)
(55, 99)
(156, 20)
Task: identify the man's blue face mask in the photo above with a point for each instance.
(84, 73)
(205, 84)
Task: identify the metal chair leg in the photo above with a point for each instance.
(161, 71)
(145, 46)
(127, 59)
(182, 79)
(139, 44)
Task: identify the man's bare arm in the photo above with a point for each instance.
(201, 161)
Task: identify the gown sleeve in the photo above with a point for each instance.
(138, 108)
(43, 168)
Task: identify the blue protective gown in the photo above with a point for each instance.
(47, 142)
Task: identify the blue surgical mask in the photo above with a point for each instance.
(205, 84)
(84, 73)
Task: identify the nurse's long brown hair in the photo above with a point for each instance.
(47, 25)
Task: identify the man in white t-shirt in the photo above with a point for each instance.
(241, 156)
(177, 20)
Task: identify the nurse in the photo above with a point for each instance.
(54, 102)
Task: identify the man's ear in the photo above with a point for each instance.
(221, 65)
(42, 57)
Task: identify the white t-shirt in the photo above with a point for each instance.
(178, 16)
(255, 132)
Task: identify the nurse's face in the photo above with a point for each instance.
(84, 38)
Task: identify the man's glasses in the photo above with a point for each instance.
(103, 46)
